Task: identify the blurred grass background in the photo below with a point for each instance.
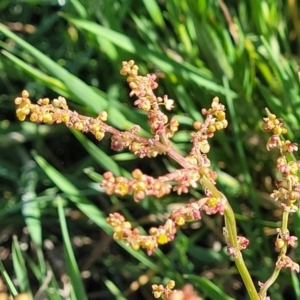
(54, 242)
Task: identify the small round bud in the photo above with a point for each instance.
(211, 202)
(25, 94)
(192, 160)
(127, 225)
(220, 115)
(162, 239)
(135, 247)
(99, 135)
(197, 125)
(117, 229)
(135, 147)
(20, 115)
(65, 118)
(118, 236)
(26, 111)
(171, 284)
(34, 117)
(133, 72)
(272, 117)
(216, 100)
(18, 100)
(279, 243)
(204, 146)
(123, 72)
(131, 63)
(96, 127)
(224, 123)
(156, 294)
(103, 116)
(180, 221)
(212, 128)
(47, 118)
(277, 130)
(46, 101)
(153, 231)
(78, 126)
(133, 85)
(219, 125)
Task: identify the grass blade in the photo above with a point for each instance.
(167, 65)
(19, 266)
(69, 255)
(87, 207)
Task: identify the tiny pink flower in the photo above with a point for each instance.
(273, 142)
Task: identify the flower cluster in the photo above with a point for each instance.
(168, 293)
(241, 244)
(194, 169)
(195, 166)
(163, 234)
(58, 112)
(288, 186)
(157, 236)
(143, 185)
(142, 87)
(287, 194)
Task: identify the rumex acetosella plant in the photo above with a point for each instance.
(193, 169)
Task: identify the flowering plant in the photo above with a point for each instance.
(194, 169)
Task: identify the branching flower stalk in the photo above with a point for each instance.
(194, 169)
(287, 193)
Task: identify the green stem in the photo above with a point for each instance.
(285, 219)
(230, 226)
(264, 288)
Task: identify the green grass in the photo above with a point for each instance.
(50, 176)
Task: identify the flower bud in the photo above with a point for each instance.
(279, 243)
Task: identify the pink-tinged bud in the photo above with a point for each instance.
(108, 176)
(292, 241)
(273, 142)
(286, 262)
(139, 195)
(231, 251)
(242, 242)
(137, 174)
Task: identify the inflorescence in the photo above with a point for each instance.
(195, 167)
